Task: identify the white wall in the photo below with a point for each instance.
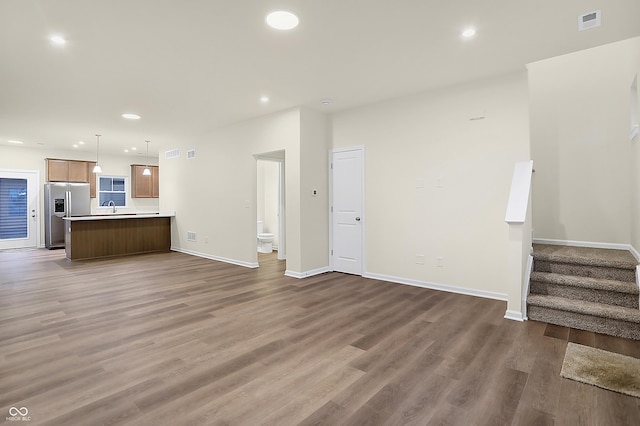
(579, 138)
(215, 194)
(314, 173)
(437, 183)
(635, 174)
(21, 158)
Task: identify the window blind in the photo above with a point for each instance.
(13, 208)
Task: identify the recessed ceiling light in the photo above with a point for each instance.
(325, 101)
(58, 40)
(129, 116)
(16, 142)
(468, 33)
(126, 150)
(133, 148)
(282, 20)
(264, 99)
(80, 142)
(75, 145)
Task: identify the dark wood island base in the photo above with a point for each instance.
(111, 236)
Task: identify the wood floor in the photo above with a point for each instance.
(171, 339)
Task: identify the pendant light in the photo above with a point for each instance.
(146, 171)
(97, 168)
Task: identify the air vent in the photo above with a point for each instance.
(172, 153)
(191, 236)
(191, 154)
(589, 20)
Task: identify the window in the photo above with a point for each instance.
(112, 188)
(13, 208)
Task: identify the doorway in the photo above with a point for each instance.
(270, 201)
(347, 210)
(18, 209)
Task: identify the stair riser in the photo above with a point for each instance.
(601, 325)
(589, 295)
(628, 275)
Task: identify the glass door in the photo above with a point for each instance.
(18, 209)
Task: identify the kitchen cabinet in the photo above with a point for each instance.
(145, 186)
(92, 178)
(59, 170)
(91, 237)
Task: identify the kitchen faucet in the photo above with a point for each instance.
(112, 204)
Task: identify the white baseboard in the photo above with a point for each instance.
(634, 252)
(434, 286)
(514, 315)
(306, 274)
(217, 258)
(638, 279)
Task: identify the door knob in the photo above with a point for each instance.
(358, 219)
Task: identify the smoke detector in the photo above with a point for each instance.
(589, 20)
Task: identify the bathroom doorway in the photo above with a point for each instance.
(271, 199)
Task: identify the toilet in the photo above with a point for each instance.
(265, 240)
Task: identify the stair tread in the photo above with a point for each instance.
(611, 258)
(586, 282)
(584, 307)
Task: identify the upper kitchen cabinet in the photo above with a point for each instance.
(92, 178)
(67, 171)
(71, 171)
(144, 186)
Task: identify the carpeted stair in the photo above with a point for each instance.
(585, 288)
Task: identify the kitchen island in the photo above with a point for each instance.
(96, 236)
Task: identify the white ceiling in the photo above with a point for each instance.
(192, 65)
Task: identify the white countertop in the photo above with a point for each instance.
(120, 216)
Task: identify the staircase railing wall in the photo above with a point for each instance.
(518, 218)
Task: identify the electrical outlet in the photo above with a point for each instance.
(206, 240)
(440, 261)
(419, 259)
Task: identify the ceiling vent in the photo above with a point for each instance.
(172, 153)
(191, 154)
(589, 20)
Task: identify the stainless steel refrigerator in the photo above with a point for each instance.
(63, 199)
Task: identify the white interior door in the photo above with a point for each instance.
(347, 218)
(18, 209)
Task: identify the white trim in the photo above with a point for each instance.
(634, 252)
(638, 279)
(39, 209)
(349, 148)
(441, 287)
(590, 244)
(306, 274)
(217, 258)
(363, 215)
(514, 315)
(518, 202)
(330, 212)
